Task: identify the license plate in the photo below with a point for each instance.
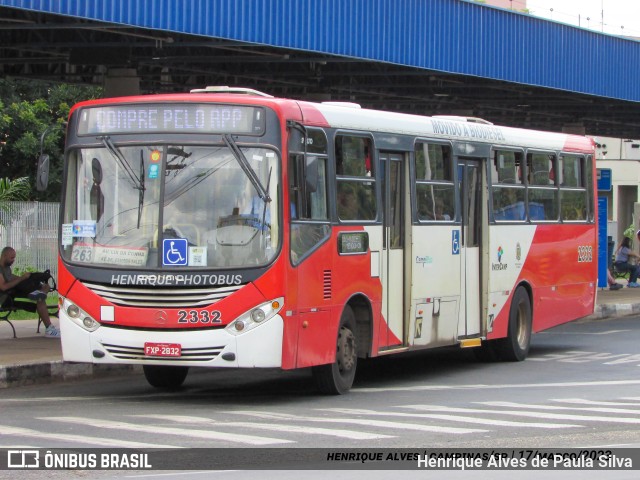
(162, 349)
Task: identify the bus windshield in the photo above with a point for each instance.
(216, 205)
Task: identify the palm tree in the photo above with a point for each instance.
(13, 190)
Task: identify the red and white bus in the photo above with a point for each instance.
(226, 228)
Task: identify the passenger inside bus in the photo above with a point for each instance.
(440, 210)
(347, 202)
(435, 204)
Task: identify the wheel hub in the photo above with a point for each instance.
(346, 355)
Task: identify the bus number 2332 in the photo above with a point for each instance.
(199, 316)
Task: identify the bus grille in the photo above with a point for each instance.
(187, 355)
(162, 297)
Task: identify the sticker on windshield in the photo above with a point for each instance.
(67, 234)
(154, 168)
(84, 228)
(197, 256)
(174, 251)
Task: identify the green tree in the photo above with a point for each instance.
(10, 191)
(27, 110)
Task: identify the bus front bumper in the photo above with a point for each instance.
(260, 347)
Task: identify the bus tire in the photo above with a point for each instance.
(165, 377)
(337, 377)
(515, 347)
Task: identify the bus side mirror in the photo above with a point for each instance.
(42, 175)
(311, 173)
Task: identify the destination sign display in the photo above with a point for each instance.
(350, 243)
(171, 118)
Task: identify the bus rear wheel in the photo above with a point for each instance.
(165, 377)
(337, 377)
(515, 347)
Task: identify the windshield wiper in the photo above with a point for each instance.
(141, 189)
(264, 206)
(117, 154)
(246, 167)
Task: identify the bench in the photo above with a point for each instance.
(619, 273)
(17, 304)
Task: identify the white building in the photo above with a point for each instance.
(622, 156)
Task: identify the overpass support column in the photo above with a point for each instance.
(121, 81)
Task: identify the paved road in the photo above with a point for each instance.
(579, 388)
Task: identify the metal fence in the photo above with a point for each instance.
(31, 228)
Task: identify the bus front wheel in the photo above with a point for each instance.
(515, 347)
(166, 377)
(337, 377)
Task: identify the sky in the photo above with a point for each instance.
(621, 17)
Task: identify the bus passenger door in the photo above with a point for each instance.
(470, 188)
(392, 272)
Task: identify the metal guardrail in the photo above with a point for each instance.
(31, 228)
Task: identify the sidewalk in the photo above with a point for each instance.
(32, 358)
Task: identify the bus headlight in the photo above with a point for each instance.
(73, 311)
(256, 316)
(79, 316)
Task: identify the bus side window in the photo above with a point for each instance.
(356, 198)
(308, 202)
(508, 189)
(435, 193)
(543, 202)
(573, 194)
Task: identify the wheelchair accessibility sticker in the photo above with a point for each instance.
(455, 242)
(174, 251)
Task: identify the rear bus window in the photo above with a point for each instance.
(573, 193)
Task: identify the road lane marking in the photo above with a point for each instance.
(558, 407)
(83, 439)
(156, 430)
(356, 421)
(582, 401)
(606, 332)
(452, 418)
(188, 420)
(579, 356)
(524, 413)
(420, 388)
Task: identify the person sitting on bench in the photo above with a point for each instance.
(622, 264)
(21, 286)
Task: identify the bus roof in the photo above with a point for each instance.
(345, 115)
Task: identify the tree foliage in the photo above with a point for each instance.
(27, 110)
(12, 190)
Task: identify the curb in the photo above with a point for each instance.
(614, 310)
(48, 372)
